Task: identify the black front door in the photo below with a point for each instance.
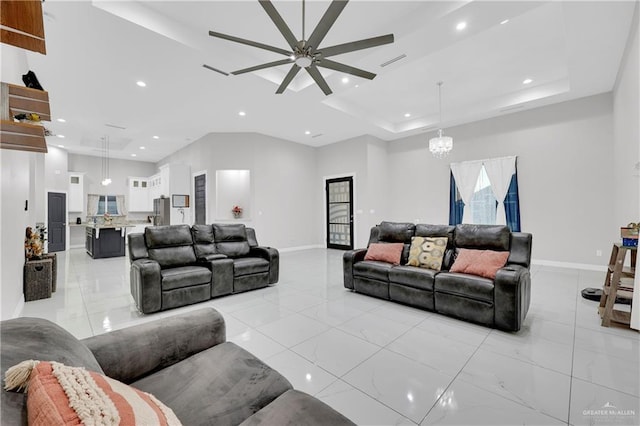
(57, 226)
(200, 195)
(339, 195)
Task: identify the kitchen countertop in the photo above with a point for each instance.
(113, 225)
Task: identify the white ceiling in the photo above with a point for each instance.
(96, 51)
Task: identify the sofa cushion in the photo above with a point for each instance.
(413, 277)
(36, 338)
(423, 230)
(203, 241)
(63, 395)
(231, 239)
(385, 252)
(249, 265)
(396, 232)
(168, 236)
(484, 263)
(464, 285)
(427, 252)
(489, 237)
(295, 408)
(223, 385)
(184, 276)
(372, 269)
(169, 257)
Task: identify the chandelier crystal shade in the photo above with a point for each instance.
(440, 146)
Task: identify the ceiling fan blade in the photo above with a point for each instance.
(280, 24)
(292, 73)
(325, 63)
(259, 67)
(356, 45)
(250, 43)
(327, 20)
(319, 79)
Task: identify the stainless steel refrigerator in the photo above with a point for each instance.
(162, 211)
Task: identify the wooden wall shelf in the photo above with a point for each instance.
(22, 24)
(18, 135)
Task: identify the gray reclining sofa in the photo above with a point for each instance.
(501, 303)
(177, 265)
(183, 360)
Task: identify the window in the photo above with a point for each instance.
(473, 189)
(107, 204)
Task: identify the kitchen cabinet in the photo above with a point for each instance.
(140, 197)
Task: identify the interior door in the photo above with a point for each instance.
(57, 225)
(339, 196)
(200, 197)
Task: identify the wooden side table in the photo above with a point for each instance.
(618, 282)
(37, 279)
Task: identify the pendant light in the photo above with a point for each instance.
(440, 146)
(106, 180)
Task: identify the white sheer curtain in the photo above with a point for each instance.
(92, 204)
(122, 208)
(500, 171)
(466, 175)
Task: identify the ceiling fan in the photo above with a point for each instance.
(306, 53)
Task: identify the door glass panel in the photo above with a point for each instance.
(339, 213)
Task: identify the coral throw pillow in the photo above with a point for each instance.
(484, 263)
(62, 395)
(427, 252)
(385, 252)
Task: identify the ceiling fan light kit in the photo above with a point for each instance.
(306, 53)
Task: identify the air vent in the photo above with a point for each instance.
(427, 129)
(209, 67)
(317, 135)
(391, 61)
(512, 108)
(115, 126)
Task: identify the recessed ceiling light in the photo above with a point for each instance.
(345, 80)
(142, 147)
(408, 114)
(461, 26)
(307, 132)
(504, 22)
(61, 136)
(62, 120)
(242, 113)
(527, 81)
(133, 155)
(141, 83)
(156, 137)
(357, 85)
(60, 146)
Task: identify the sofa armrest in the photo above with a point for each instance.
(349, 258)
(221, 276)
(134, 352)
(146, 287)
(209, 257)
(272, 256)
(512, 294)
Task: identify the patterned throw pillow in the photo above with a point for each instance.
(427, 252)
(62, 395)
(385, 252)
(484, 263)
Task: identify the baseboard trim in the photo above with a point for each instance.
(569, 265)
(19, 307)
(300, 248)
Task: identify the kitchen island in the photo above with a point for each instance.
(106, 240)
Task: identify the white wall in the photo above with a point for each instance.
(565, 175)
(282, 176)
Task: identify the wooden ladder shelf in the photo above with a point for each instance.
(618, 282)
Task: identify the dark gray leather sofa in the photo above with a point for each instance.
(501, 303)
(177, 265)
(182, 360)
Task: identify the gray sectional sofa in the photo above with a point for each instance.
(177, 265)
(501, 303)
(183, 360)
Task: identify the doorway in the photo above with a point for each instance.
(339, 196)
(57, 221)
(200, 198)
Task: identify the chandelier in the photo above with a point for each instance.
(440, 146)
(106, 180)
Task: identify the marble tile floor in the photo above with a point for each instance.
(381, 363)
